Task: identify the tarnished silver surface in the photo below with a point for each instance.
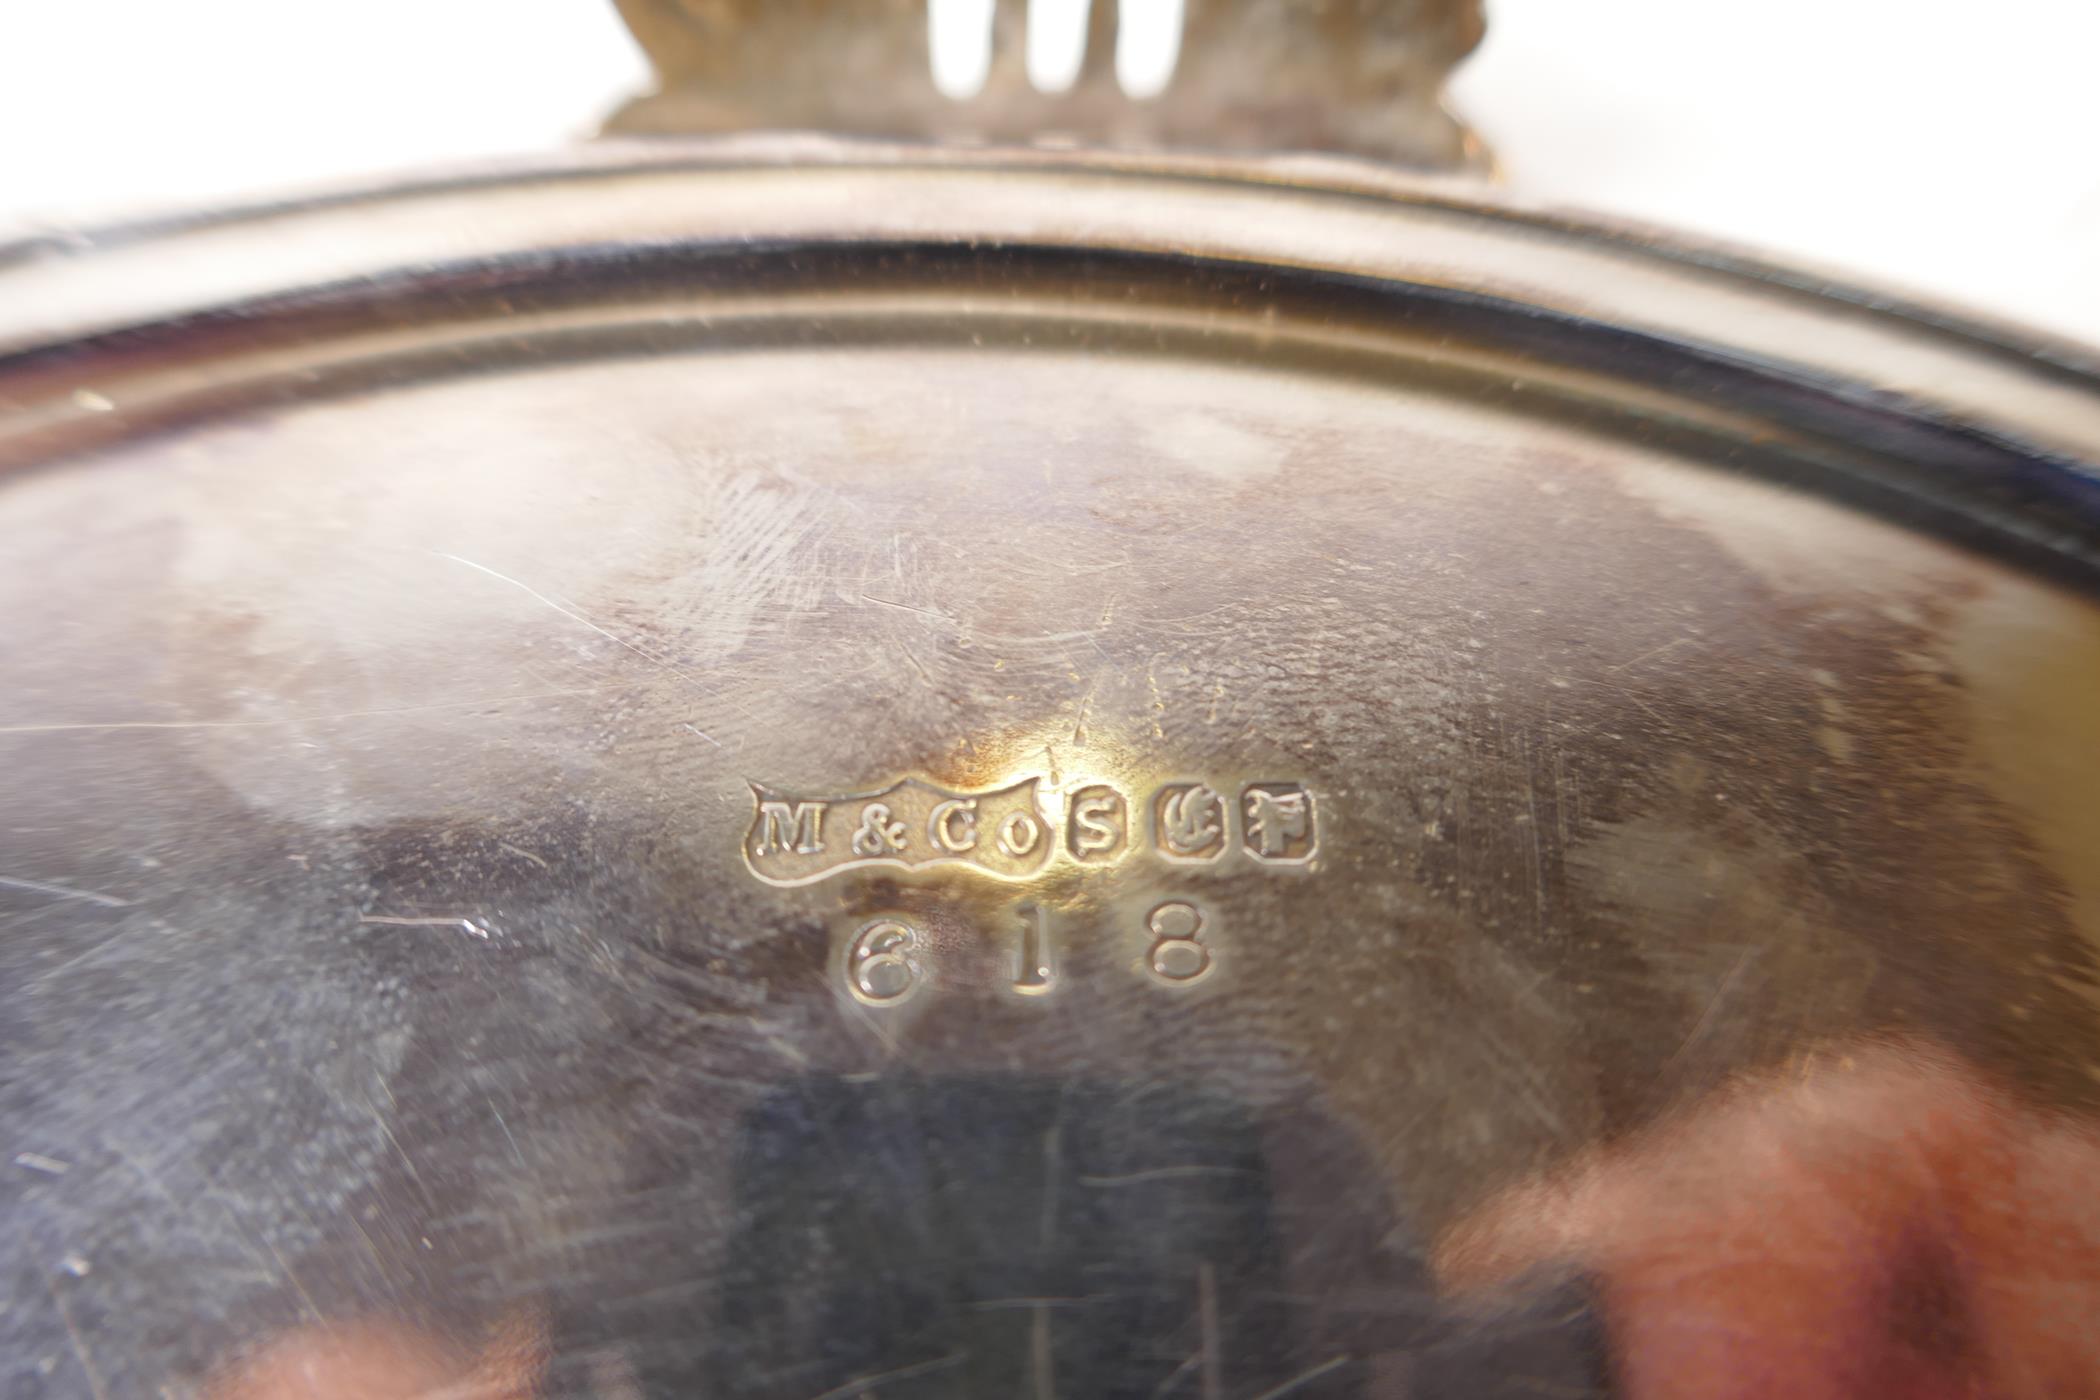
(778, 770)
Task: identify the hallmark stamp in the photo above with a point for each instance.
(1009, 834)
(1097, 829)
(912, 824)
(1188, 822)
(1276, 822)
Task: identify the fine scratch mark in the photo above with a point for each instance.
(1648, 655)
(903, 607)
(304, 719)
(1295, 1382)
(107, 901)
(306, 1299)
(1160, 1174)
(1560, 802)
(705, 735)
(914, 660)
(506, 1134)
(1207, 1310)
(65, 1315)
(1187, 1365)
(867, 1017)
(458, 921)
(80, 958)
(386, 1129)
(1053, 1161)
(864, 1383)
(1531, 830)
(1713, 1004)
(1086, 707)
(523, 854)
(569, 613)
(191, 1204)
(1039, 1354)
(38, 1162)
(785, 1049)
(34, 914)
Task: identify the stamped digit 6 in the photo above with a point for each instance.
(882, 964)
(1178, 955)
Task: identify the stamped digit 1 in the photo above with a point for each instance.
(882, 964)
(1178, 956)
(1033, 974)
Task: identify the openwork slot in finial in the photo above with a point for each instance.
(1361, 77)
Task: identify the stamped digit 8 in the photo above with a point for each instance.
(882, 965)
(1178, 955)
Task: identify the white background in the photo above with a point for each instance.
(1952, 149)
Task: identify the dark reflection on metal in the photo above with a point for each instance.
(1021, 1235)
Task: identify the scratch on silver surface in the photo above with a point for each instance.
(860, 1384)
(1207, 1311)
(1161, 1174)
(87, 1364)
(1303, 1379)
(462, 922)
(572, 615)
(108, 901)
(523, 854)
(284, 720)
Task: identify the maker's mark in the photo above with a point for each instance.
(795, 840)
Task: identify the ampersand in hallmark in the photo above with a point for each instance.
(1177, 956)
(878, 834)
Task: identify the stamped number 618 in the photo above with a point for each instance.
(887, 960)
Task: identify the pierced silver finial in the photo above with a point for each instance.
(1357, 77)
